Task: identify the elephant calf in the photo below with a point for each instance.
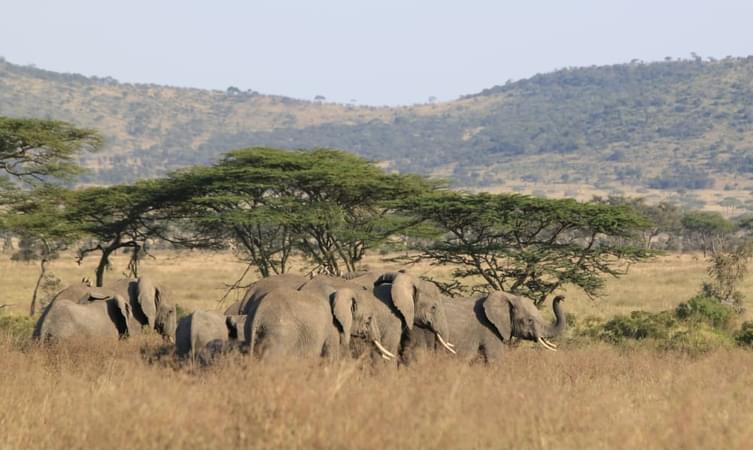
(65, 319)
(202, 334)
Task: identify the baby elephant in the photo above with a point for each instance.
(202, 334)
(65, 319)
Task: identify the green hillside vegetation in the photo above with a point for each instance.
(676, 125)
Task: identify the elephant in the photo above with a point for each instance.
(370, 317)
(148, 302)
(481, 326)
(261, 287)
(287, 322)
(202, 333)
(65, 319)
(418, 303)
(397, 301)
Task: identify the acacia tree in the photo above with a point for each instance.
(116, 217)
(346, 205)
(529, 246)
(37, 153)
(663, 217)
(329, 205)
(221, 204)
(711, 229)
(38, 218)
(40, 151)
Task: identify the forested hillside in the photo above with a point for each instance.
(677, 125)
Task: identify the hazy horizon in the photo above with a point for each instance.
(385, 53)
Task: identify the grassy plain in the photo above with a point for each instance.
(584, 397)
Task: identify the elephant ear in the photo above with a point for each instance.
(498, 309)
(121, 315)
(146, 296)
(404, 297)
(343, 306)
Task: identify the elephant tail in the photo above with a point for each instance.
(253, 335)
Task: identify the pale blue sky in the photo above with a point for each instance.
(376, 52)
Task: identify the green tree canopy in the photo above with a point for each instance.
(710, 228)
(526, 245)
(116, 217)
(38, 218)
(34, 150)
(330, 205)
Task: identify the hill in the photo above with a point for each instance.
(653, 128)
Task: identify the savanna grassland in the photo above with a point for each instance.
(588, 395)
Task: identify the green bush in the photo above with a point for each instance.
(744, 336)
(697, 339)
(638, 325)
(17, 327)
(706, 310)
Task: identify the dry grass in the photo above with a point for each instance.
(592, 396)
(596, 397)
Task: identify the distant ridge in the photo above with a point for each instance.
(676, 125)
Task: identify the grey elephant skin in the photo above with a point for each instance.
(65, 319)
(203, 334)
(290, 323)
(372, 321)
(481, 327)
(149, 304)
(262, 287)
(418, 303)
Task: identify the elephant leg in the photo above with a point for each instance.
(492, 352)
(331, 349)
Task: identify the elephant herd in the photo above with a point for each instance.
(388, 316)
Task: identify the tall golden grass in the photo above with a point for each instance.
(123, 395)
(596, 397)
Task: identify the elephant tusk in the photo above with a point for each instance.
(550, 343)
(383, 350)
(385, 357)
(446, 345)
(546, 346)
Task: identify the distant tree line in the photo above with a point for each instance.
(325, 207)
(632, 123)
(329, 208)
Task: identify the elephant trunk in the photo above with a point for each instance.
(560, 322)
(375, 335)
(442, 331)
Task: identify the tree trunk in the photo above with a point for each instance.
(42, 272)
(104, 261)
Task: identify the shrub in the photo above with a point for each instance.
(17, 327)
(744, 336)
(705, 309)
(639, 325)
(697, 339)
